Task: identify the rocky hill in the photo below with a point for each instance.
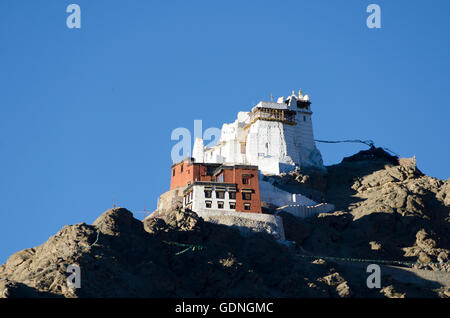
(385, 211)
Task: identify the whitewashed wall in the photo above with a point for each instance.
(199, 199)
(303, 211)
(278, 197)
(274, 147)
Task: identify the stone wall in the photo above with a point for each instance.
(170, 200)
(303, 211)
(247, 223)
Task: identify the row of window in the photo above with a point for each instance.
(231, 195)
(181, 170)
(219, 195)
(221, 204)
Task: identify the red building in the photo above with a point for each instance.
(217, 186)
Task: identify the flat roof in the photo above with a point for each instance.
(217, 165)
(271, 105)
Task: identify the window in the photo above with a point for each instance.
(219, 178)
(220, 194)
(247, 206)
(208, 193)
(232, 195)
(220, 204)
(246, 196)
(208, 204)
(173, 172)
(245, 180)
(232, 205)
(181, 168)
(188, 198)
(304, 118)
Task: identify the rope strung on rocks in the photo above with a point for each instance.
(98, 234)
(369, 143)
(387, 149)
(362, 260)
(188, 247)
(98, 226)
(96, 239)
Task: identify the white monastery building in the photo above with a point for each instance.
(275, 136)
(235, 177)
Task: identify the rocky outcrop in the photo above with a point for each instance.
(135, 259)
(383, 211)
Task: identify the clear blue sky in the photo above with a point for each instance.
(86, 115)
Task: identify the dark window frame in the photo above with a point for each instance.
(222, 196)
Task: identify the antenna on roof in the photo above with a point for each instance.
(114, 204)
(271, 97)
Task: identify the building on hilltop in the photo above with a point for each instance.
(210, 186)
(229, 182)
(275, 136)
